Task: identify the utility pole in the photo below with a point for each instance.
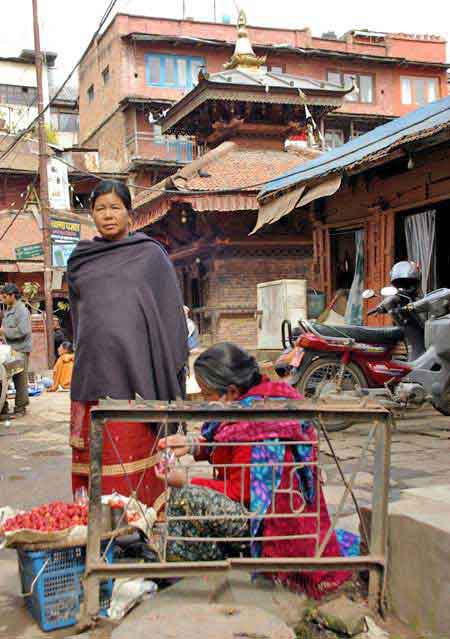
(43, 187)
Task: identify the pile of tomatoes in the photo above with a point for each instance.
(49, 518)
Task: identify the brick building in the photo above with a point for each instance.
(140, 66)
(204, 213)
(392, 187)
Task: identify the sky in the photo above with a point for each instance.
(68, 25)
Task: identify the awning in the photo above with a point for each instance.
(276, 207)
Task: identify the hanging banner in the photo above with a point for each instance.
(64, 230)
(58, 185)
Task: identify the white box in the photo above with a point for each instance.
(279, 301)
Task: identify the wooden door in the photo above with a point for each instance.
(322, 258)
(379, 259)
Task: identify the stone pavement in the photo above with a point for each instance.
(35, 468)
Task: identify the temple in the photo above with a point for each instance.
(250, 125)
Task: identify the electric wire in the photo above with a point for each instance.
(255, 185)
(104, 19)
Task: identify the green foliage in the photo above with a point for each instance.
(30, 290)
(52, 134)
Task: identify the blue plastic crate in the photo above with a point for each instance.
(57, 593)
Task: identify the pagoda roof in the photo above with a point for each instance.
(246, 79)
(225, 179)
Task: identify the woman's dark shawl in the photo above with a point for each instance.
(129, 326)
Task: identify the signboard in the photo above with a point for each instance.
(65, 235)
(29, 252)
(65, 230)
(61, 254)
(58, 185)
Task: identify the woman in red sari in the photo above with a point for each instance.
(130, 339)
(269, 475)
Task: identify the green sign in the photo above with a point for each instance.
(29, 252)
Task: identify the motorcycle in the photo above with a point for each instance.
(345, 361)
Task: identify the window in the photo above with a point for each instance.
(106, 75)
(176, 71)
(65, 122)
(180, 149)
(364, 84)
(273, 68)
(25, 96)
(334, 138)
(91, 93)
(419, 90)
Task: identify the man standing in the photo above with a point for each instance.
(16, 331)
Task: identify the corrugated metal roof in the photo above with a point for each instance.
(271, 79)
(418, 124)
(67, 94)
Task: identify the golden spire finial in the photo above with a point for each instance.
(244, 57)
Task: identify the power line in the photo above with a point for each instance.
(69, 77)
(18, 212)
(302, 169)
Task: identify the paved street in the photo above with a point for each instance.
(35, 468)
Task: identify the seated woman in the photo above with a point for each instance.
(62, 372)
(269, 474)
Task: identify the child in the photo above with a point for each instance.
(62, 372)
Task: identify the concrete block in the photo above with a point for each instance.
(419, 562)
(208, 621)
(234, 590)
(343, 616)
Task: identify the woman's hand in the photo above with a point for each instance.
(175, 478)
(178, 443)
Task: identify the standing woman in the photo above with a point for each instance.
(130, 339)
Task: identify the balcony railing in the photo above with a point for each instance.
(157, 147)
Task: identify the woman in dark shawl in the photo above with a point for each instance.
(130, 339)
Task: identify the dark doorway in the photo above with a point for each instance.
(442, 253)
(343, 258)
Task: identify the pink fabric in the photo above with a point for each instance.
(316, 584)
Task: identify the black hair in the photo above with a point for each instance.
(11, 289)
(67, 346)
(112, 186)
(225, 364)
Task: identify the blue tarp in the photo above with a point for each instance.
(415, 124)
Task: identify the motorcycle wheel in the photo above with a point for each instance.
(317, 378)
(444, 408)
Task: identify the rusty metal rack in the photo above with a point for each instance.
(163, 414)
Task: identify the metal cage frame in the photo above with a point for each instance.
(166, 413)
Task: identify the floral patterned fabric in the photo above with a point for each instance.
(285, 493)
(198, 501)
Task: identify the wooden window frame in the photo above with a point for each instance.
(162, 60)
(106, 75)
(426, 79)
(91, 93)
(357, 75)
(335, 130)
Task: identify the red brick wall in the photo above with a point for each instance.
(127, 70)
(233, 283)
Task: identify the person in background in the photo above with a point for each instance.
(60, 336)
(16, 332)
(193, 335)
(62, 372)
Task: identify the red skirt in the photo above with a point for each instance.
(129, 457)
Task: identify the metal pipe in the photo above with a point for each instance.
(91, 603)
(380, 501)
(187, 569)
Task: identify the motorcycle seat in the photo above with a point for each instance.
(388, 336)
